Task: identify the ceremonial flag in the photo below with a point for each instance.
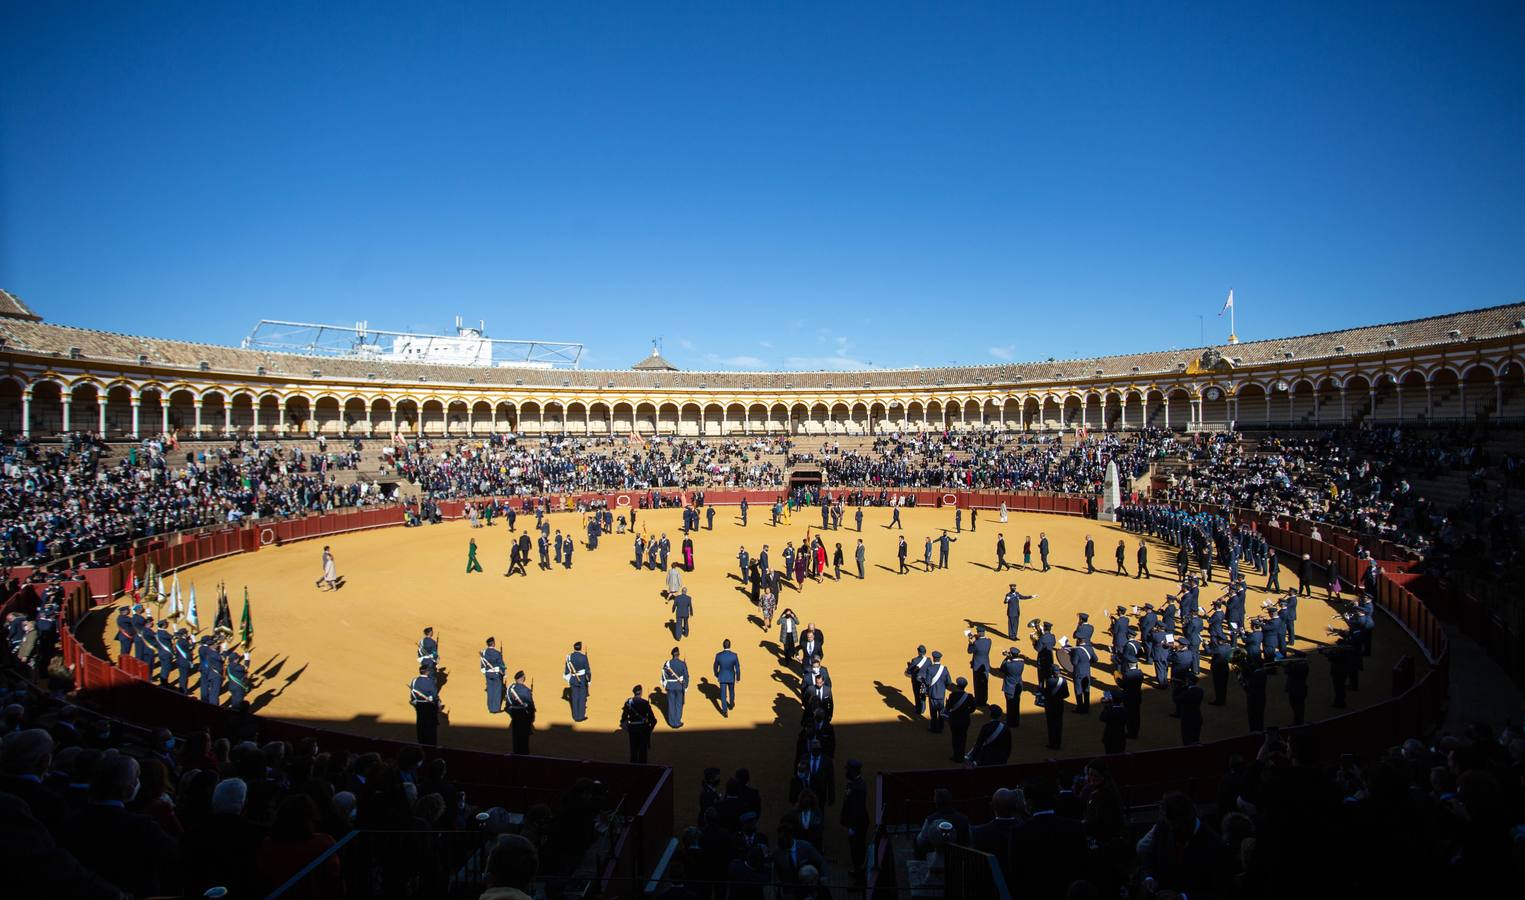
(1227, 304)
(190, 612)
(247, 627)
(175, 608)
(132, 584)
(161, 594)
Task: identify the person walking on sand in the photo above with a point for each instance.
(330, 577)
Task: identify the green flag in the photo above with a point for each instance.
(248, 620)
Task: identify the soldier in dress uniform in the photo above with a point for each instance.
(675, 687)
(935, 686)
(578, 674)
(1011, 669)
(520, 701)
(238, 679)
(164, 643)
(638, 721)
(428, 649)
(1013, 601)
(424, 696)
(913, 671)
(492, 671)
(1131, 683)
(1189, 702)
(1219, 655)
(184, 651)
(142, 629)
(1082, 657)
(1053, 692)
(126, 633)
(979, 665)
(211, 672)
(959, 709)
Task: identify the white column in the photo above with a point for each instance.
(163, 414)
(1268, 410)
(100, 409)
(254, 408)
(227, 415)
(1344, 410)
(133, 402)
(280, 424)
(394, 419)
(196, 405)
(1429, 401)
(1166, 409)
(26, 413)
(68, 404)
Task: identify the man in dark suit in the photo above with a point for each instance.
(128, 849)
(812, 644)
(1090, 555)
(1049, 850)
(992, 746)
(682, 610)
(727, 673)
(792, 855)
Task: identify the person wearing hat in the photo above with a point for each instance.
(183, 652)
(1053, 691)
(937, 680)
(1011, 669)
(913, 671)
(164, 645)
(142, 635)
(1082, 657)
(747, 836)
(638, 720)
(1044, 645)
(1013, 601)
(992, 746)
(1084, 630)
(979, 664)
(855, 818)
(211, 672)
(1114, 723)
(960, 709)
(126, 633)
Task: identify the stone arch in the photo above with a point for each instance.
(431, 414)
(298, 413)
(778, 418)
(553, 416)
(1177, 409)
(690, 420)
(624, 417)
(735, 418)
(668, 413)
(328, 416)
(646, 417)
(713, 419)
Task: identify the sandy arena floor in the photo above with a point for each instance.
(343, 659)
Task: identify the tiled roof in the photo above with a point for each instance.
(1453, 328)
(11, 307)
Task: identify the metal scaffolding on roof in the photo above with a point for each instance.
(468, 347)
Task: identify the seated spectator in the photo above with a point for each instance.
(511, 869)
(1181, 855)
(128, 849)
(292, 845)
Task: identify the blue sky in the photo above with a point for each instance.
(764, 185)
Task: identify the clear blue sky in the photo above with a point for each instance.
(777, 185)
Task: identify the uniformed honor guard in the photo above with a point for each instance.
(238, 679)
(936, 684)
(675, 687)
(126, 633)
(211, 672)
(428, 649)
(1082, 657)
(638, 721)
(1010, 670)
(164, 643)
(913, 671)
(492, 671)
(578, 674)
(521, 714)
(425, 699)
(958, 710)
(1054, 691)
(183, 658)
(979, 665)
(1013, 601)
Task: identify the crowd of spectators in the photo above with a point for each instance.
(93, 808)
(57, 500)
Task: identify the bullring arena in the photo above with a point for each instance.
(334, 666)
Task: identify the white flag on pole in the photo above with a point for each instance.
(1227, 304)
(190, 612)
(175, 608)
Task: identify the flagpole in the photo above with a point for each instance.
(1233, 335)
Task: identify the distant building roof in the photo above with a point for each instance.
(655, 363)
(11, 307)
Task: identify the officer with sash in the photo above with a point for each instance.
(638, 721)
(424, 696)
(211, 672)
(126, 633)
(183, 660)
(492, 670)
(578, 674)
(675, 686)
(238, 679)
(1010, 670)
(428, 649)
(913, 671)
(936, 682)
(521, 713)
(164, 644)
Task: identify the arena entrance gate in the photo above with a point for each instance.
(806, 478)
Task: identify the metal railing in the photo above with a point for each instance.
(405, 865)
